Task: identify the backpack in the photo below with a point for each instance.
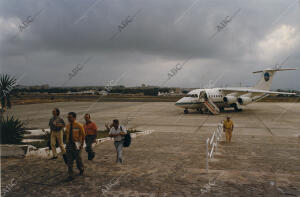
(127, 139)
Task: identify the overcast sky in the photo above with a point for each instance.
(60, 34)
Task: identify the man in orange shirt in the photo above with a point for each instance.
(90, 129)
(74, 139)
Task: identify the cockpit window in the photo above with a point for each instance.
(192, 95)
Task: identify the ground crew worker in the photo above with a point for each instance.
(74, 139)
(90, 129)
(57, 125)
(117, 132)
(228, 128)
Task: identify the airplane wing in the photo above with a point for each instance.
(276, 69)
(241, 91)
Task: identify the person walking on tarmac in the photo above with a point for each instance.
(228, 128)
(74, 139)
(118, 132)
(57, 125)
(90, 129)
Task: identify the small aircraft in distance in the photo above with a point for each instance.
(214, 100)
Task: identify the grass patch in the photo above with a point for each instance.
(104, 133)
(100, 134)
(38, 144)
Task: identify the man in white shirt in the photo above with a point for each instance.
(117, 132)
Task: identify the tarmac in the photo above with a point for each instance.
(263, 158)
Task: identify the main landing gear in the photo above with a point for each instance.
(186, 111)
(200, 110)
(236, 108)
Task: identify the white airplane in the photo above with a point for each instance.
(214, 100)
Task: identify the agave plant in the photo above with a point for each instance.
(7, 83)
(12, 130)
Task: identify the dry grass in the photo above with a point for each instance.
(37, 98)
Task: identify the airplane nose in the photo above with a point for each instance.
(179, 101)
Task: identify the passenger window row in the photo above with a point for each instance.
(215, 96)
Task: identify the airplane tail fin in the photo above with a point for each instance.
(267, 76)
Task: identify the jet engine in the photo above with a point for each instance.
(244, 100)
(230, 99)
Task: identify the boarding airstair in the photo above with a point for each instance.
(211, 106)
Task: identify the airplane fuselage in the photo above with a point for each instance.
(216, 99)
(195, 99)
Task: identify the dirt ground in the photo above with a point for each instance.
(262, 160)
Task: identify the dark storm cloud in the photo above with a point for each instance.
(162, 35)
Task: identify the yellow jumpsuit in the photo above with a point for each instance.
(228, 127)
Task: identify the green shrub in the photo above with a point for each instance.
(12, 130)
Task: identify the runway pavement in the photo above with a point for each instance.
(262, 160)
